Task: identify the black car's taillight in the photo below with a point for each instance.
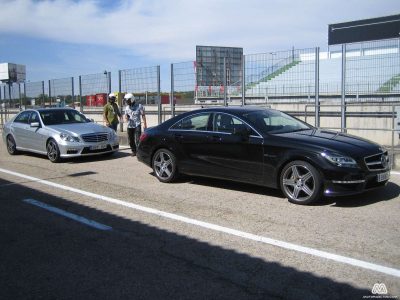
(143, 137)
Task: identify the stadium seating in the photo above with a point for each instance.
(367, 74)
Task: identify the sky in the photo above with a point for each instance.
(65, 38)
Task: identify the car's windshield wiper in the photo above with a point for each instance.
(300, 129)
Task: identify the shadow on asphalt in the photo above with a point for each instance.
(390, 192)
(46, 256)
(82, 159)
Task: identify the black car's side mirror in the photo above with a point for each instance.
(242, 130)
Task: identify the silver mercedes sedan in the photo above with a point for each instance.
(58, 133)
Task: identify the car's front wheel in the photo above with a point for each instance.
(11, 145)
(164, 165)
(300, 182)
(53, 152)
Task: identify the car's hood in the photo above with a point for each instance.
(335, 141)
(79, 128)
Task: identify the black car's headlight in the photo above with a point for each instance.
(69, 138)
(340, 160)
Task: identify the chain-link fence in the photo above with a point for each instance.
(11, 95)
(183, 82)
(94, 89)
(284, 75)
(144, 83)
(35, 94)
(61, 92)
(373, 69)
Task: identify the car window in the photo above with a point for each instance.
(227, 123)
(34, 117)
(56, 117)
(194, 122)
(23, 117)
(275, 122)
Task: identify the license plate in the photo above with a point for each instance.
(383, 176)
(98, 147)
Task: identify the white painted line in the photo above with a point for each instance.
(394, 173)
(249, 236)
(64, 213)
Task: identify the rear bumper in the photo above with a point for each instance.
(143, 157)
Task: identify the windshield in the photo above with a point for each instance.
(275, 122)
(67, 116)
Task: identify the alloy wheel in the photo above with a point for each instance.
(11, 146)
(52, 151)
(163, 165)
(299, 183)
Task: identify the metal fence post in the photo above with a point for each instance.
(158, 94)
(317, 107)
(25, 98)
(121, 123)
(343, 100)
(43, 98)
(20, 99)
(243, 80)
(80, 94)
(225, 87)
(393, 126)
(50, 92)
(9, 94)
(171, 99)
(120, 81)
(73, 91)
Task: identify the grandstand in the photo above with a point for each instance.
(366, 73)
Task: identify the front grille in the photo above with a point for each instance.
(95, 137)
(377, 162)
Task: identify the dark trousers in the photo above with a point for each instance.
(133, 137)
(114, 126)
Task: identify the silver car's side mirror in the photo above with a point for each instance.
(35, 124)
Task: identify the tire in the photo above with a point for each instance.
(164, 165)
(53, 152)
(11, 145)
(301, 182)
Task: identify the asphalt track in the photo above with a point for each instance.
(194, 239)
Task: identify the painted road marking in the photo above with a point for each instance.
(69, 215)
(234, 232)
(395, 173)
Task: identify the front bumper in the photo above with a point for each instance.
(86, 149)
(355, 182)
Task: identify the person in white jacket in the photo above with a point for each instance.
(133, 114)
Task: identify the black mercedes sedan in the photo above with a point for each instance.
(264, 147)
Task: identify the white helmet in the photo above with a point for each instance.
(112, 95)
(129, 96)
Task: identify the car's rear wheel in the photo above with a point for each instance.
(11, 145)
(164, 165)
(300, 182)
(53, 152)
